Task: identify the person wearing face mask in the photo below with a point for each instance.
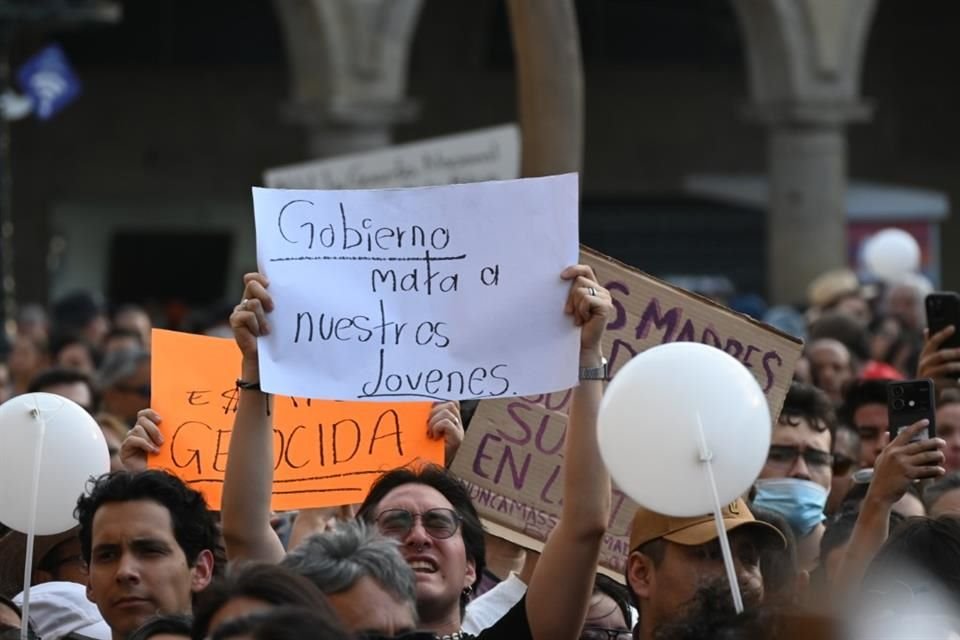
(795, 481)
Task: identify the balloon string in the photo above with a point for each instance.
(706, 457)
(32, 522)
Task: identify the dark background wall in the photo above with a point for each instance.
(183, 104)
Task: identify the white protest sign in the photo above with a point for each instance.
(449, 292)
(476, 156)
(512, 455)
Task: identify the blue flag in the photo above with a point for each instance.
(50, 81)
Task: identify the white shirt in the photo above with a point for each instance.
(486, 609)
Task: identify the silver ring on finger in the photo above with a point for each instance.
(591, 291)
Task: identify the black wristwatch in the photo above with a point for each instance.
(595, 373)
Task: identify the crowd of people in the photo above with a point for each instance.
(846, 533)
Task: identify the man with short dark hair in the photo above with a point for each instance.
(149, 543)
(69, 383)
(865, 408)
(81, 313)
(672, 560)
(796, 479)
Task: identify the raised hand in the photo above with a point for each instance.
(143, 439)
(249, 318)
(589, 304)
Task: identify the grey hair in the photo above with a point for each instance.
(918, 284)
(121, 364)
(336, 559)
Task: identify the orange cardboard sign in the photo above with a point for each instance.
(326, 453)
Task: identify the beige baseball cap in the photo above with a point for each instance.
(649, 525)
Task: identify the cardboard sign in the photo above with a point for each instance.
(476, 156)
(326, 453)
(512, 458)
(433, 292)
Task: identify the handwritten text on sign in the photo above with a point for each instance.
(437, 292)
(326, 453)
(512, 456)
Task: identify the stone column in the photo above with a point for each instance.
(804, 59)
(348, 70)
(549, 85)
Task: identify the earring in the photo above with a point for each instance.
(467, 591)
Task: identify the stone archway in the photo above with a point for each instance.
(804, 60)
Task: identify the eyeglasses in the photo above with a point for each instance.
(440, 523)
(786, 455)
(842, 464)
(601, 633)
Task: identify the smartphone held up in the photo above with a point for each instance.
(908, 402)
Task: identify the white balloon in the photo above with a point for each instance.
(652, 417)
(72, 450)
(891, 253)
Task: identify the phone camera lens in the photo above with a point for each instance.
(898, 404)
(898, 391)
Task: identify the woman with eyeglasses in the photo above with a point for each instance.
(428, 511)
(609, 616)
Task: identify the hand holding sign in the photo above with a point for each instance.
(588, 303)
(378, 293)
(144, 438)
(249, 318)
(321, 452)
(445, 423)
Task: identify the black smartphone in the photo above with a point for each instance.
(909, 401)
(943, 310)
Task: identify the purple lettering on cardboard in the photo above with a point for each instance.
(616, 348)
(771, 376)
(518, 474)
(618, 500)
(746, 357)
(558, 400)
(514, 409)
(560, 432)
(620, 320)
(548, 485)
(710, 337)
(734, 348)
(687, 333)
(481, 456)
(667, 322)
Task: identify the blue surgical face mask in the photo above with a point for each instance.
(800, 502)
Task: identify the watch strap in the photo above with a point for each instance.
(595, 373)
